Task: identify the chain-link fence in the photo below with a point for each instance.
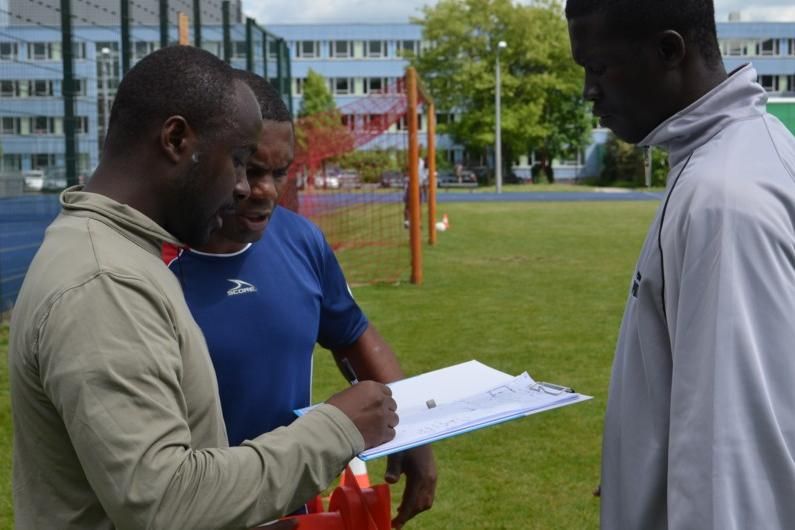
(60, 65)
(61, 62)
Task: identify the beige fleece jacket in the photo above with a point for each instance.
(117, 422)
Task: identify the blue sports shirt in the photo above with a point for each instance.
(262, 310)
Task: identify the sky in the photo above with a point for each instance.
(327, 11)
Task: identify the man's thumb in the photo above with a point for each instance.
(394, 466)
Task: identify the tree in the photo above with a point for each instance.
(317, 97)
(542, 106)
(319, 131)
(624, 162)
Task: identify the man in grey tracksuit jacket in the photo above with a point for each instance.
(700, 427)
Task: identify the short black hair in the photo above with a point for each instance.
(176, 80)
(693, 19)
(269, 99)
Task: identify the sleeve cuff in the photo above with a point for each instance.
(346, 426)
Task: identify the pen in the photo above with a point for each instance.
(348, 372)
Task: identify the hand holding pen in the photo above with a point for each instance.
(370, 407)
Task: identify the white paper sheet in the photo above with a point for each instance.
(465, 397)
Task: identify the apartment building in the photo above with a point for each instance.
(357, 60)
(31, 72)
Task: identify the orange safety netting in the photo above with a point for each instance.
(363, 221)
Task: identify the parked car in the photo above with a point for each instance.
(483, 174)
(468, 176)
(34, 179)
(327, 182)
(393, 179)
(54, 180)
(522, 174)
(349, 178)
(449, 177)
(445, 176)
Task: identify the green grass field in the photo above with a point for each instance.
(519, 286)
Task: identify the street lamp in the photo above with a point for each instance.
(105, 73)
(498, 127)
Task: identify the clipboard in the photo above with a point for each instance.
(463, 398)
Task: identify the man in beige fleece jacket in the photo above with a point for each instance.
(117, 422)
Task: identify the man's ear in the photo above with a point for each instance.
(177, 139)
(671, 48)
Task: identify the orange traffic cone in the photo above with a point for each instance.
(356, 472)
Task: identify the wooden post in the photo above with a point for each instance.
(182, 25)
(414, 177)
(431, 109)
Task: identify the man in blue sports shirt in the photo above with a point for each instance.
(264, 298)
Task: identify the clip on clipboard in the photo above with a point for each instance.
(551, 388)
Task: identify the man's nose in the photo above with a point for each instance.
(263, 188)
(590, 91)
(242, 189)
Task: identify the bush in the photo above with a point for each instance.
(371, 163)
(542, 175)
(623, 164)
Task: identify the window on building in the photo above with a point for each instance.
(42, 125)
(273, 50)
(299, 86)
(402, 124)
(8, 51)
(443, 118)
(143, 48)
(341, 49)
(9, 125)
(571, 158)
(768, 47)
(374, 85)
(308, 49)
(769, 82)
(375, 48)
(791, 83)
(342, 85)
(108, 65)
(791, 46)
(42, 161)
(79, 86)
(40, 88)
(83, 163)
(79, 50)
(374, 121)
(213, 47)
(9, 89)
(733, 47)
(239, 50)
(81, 124)
(11, 163)
(408, 48)
(40, 51)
